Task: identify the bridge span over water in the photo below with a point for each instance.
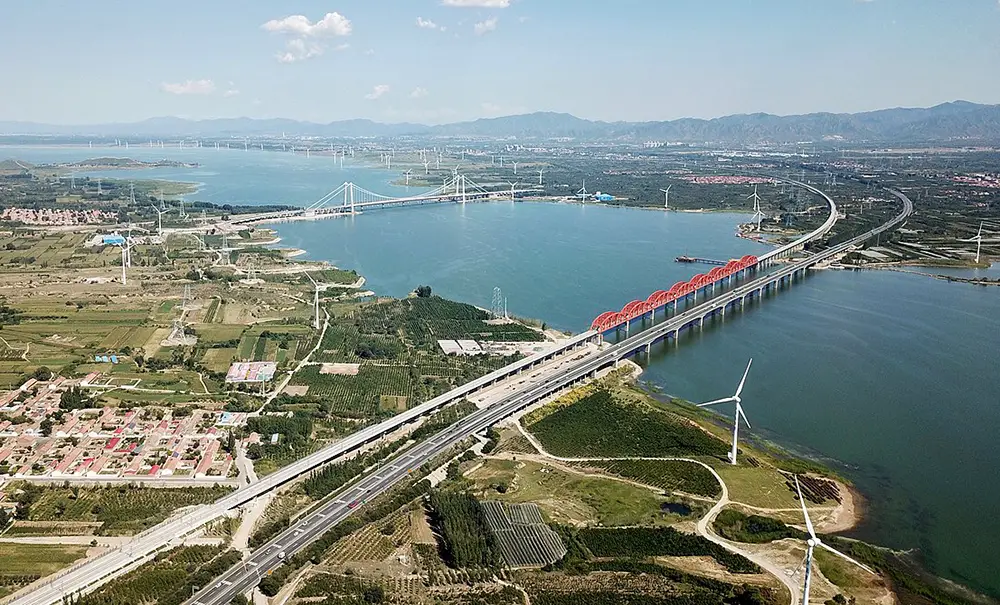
(350, 199)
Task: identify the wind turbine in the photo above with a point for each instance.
(407, 175)
(541, 171)
(739, 411)
(515, 168)
(126, 259)
(582, 191)
(757, 214)
(979, 241)
(512, 185)
(159, 220)
(426, 166)
(316, 291)
(812, 542)
(666, 197)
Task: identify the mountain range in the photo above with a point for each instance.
(958, 121)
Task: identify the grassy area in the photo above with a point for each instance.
(668, 475)
(21, 564)
(601, 425)
(568, 498)
(762, 487)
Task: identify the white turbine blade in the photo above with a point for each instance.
(726, 400)
(739, 410)
(847, 558)
(739, 389)
(805, 513)
(980, 234)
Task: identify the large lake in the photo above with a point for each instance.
(893, 378)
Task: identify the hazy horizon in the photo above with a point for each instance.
(445, 61)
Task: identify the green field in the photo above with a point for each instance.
(21, 564)
(600, 426)
(122, 510)
(668, 475)
(569, 498)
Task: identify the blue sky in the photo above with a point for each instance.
(438, 61)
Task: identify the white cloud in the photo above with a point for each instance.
(341, 47)
(485, 26)
(491, 108)
(189, 87)
(299, 50)
(426, 23)
(370, 52)
(232, 92)
(477, 3)
(419, 92)
(306, 42)
(332, 24)
(378, 91)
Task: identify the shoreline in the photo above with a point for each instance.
(849, 514)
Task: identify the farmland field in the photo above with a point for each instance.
(21, 564)
(167, 580)
(122, 510)
(357, 395)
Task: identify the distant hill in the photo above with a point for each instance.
(956, 121)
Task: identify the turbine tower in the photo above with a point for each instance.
(757, 214)
(582, 191)
(515, 167)
(739, 411)
(812, 542)
(979, 241)
(316, 291)
(541, 171)
(512, 185)
(407, 175)
(126, 259)
(666, 197)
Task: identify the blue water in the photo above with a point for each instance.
(892, 377)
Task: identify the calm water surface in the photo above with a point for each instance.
(892, 377)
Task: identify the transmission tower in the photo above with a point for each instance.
(497, 308)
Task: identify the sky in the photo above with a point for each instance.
(436, 61)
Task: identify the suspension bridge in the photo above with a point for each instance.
(351, 198)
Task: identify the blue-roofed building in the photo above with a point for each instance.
(113, 239)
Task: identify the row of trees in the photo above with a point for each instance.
(466, 538)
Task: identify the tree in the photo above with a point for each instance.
(4, 518)
(46, 427)
(74, 399)
(423, 291)
(42, 373)
(373, 594)
(239, 600)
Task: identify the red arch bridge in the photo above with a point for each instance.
(682, 291)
